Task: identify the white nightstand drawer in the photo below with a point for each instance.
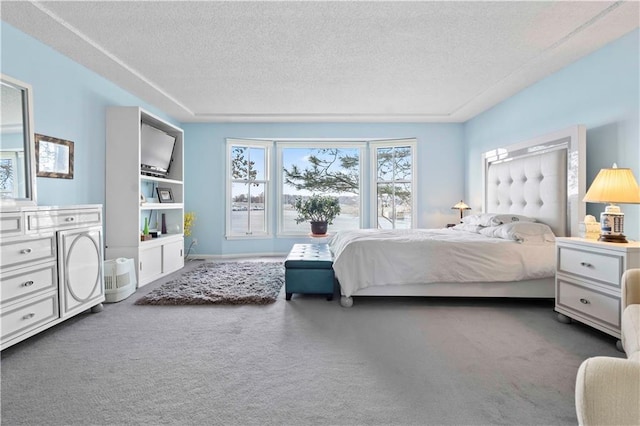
(599, 306)
(24, 317)
(27, 282)
(601, 266)
(44, 220)
(21, 251)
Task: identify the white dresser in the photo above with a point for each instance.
(51, 267)
(588, 274)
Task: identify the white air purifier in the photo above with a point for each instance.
(119, 279)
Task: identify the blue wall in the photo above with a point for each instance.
(600, 91)
(70, 103)
(440, 173)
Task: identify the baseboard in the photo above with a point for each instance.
(194, 257)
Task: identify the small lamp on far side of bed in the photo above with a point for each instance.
(614, 185)
(462, 207)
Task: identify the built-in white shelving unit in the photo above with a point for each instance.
(131, 196)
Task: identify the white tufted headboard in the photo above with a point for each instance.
(543, 178)
(534, 186)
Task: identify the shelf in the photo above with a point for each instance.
(161, 240)
(159, 179)
(161, 206)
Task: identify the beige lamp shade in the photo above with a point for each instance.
(461, 206)
(614, 185)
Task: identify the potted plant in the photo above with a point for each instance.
(319, 210)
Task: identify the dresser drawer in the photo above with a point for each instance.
(26, 316)
(28, 282)
(598, 306)
(25, 251)
(62, 219)
(604, 267)
(11, 224)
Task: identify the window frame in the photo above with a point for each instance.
(374, 145)
(267, 182)
(280, 145)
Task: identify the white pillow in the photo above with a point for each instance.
(522, 232)
(495, 219)
(467, 228)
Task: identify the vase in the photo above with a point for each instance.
(319, 228)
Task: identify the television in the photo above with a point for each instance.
(156, 151)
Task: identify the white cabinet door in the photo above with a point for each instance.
(80, 266)
(172, 257)
(149, 264)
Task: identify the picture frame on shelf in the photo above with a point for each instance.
(165, 195)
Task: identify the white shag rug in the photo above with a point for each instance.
(224, 283)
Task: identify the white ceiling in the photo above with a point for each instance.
(323, 61)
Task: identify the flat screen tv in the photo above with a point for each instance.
(156, 151)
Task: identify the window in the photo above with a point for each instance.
(9, 180)
(248, 188)
(327, 168)
(393, 190)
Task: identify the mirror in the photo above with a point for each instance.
(17, 181)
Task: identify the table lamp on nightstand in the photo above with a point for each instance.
(462, 207)
(614, 185)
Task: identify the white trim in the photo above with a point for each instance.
(373, 178)
(319, 143)
(267, 181)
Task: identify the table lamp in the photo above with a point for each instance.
(614, 185)
(462, 207)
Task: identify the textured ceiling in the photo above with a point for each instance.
(323, 61)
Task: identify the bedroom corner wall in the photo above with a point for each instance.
(440, 173)
(601, 91)
(69, 103)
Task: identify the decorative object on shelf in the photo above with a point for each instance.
(319, 210)
(462, 207)
(142, 199)
(165, 195)
(614, 185)
(54, 157)
(163, 229)
(146, 235)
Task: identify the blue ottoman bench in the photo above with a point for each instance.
(309, 270)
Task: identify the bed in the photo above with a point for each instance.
(532, 192)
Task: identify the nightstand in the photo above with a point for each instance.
(588, 276)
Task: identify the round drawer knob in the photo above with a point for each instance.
(584, 301)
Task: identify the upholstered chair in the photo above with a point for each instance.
(608, 389)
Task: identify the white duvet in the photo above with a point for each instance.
(372, 257)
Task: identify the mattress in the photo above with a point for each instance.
(372, 257)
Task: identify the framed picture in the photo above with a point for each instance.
(165, 195)
(54, 157)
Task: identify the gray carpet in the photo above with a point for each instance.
(230, 283)
(385, 361)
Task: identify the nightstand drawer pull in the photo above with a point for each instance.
(29, 316)
(584, 301)
(27, 284)
(26, 251)
(586, 264)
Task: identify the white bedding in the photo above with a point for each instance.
(372, 257)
